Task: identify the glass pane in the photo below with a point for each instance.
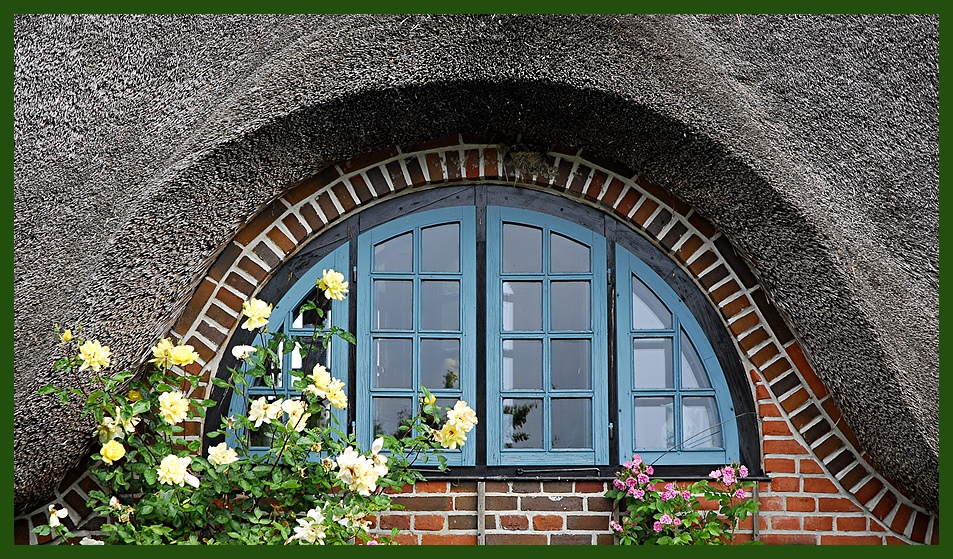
(569, 308)
(522, 423)
(389, 413)
(393, 363)
(274, 373)
(395, 255)
(567, 255)
(570, 364)
(522, 249)
(440, 305)
(654, 423)
(440, 248)
(572, 423)
(699, 420)
(522, 305)
(315, 353)
(393, 305)
(652, 363)
(440, 364)
(693, 373)
(648, 312)
(309, 318)
(522, 364)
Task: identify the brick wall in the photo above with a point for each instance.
(822, 489)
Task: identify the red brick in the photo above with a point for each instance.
(801, 504)
(828, 447)
(744, 323)
(461, 522)
(779, 465)
(920, 523)
(311, 216)
(449, 539)
(885, 505)
(792, 523)
(644, 212)
(599, 504)
(795, 400)
(768, 410)
(543, 522)
(224, 261)
(406, 538)
(783, 446)
(471, 164)
(785, 484)
(590, 487)
(775, 427)
(514, 522)
(368, 159)
(430, 487)
(525, 487)
(443, 503)
(688, 248)
(399, 521)
(516, 539)
(851, 524)
(491, 167)
(588, 522)
(465, 503)
(545, 503)
(280, 239)
(891, 540)
(726, 290)
(736, 305)
(259, 223)
(497, 487)
(555, 487)
(431, 522)
(819, 485)
(769, 502)
(764, 355)
(571, 539)
(776, 369)
(851, 540)
(595, 184)
(205, 352)
(836, 504)
(500, 503)
(788, 539)
(818, 523)
(434, 167)
(254, 270)
(761, 393)
(311, 185)
(361, 189)
(628, 201)
(703, 225)
(195, 305)
(343, 196)
(463, 487)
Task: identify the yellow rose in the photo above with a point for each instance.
(133, 396)
(182, 355)
(160, 353)
(257, 312)
(333, 284)
(221, 454)
(94, 356)
(67, 335)
(450, 436)
(112, 451)
(173, 407)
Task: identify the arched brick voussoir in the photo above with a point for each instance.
(762, 337)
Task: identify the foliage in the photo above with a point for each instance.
(313, 485)
(673, 515)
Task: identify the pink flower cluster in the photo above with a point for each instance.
(633, 478)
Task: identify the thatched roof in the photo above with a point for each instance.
(142, 143)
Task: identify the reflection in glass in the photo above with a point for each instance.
(395, 255)
(652, 363)
(569, 308)
(440, 305)
(522, 249)
(522, 364)
(570, 364)
(522, 305)
(522, 423)
(693, 373)
(648, 312)
(654, 424)
(440, 248)
(567, 255)
(440, 363)
(389, 414)
(393, 363)
(309, 318)
(572, 423)
(393, 304)
(699, 420)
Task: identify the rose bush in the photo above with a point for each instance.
(314, 485)
(652, 511)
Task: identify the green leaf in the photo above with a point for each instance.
(220, 383)
(48, 389)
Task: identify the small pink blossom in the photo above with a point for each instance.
(728, 475)
(637, 493)
(631, 482)
(371, 542)
(630, 465)
(715, 474)
(619, 484)
(643, 478)
(657, 526)
(637, 460)
(650, 487)
(649, 470)
(666, 519)
(677, 521)
(740, 493)
(615, 526)
(686, 495)
(743, 472)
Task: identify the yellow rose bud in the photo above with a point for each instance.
(133, 396)
(67, 335)
(430, 399)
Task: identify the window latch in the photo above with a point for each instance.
(611, 431)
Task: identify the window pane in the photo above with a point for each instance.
(522, 364)
(570, 364)
(274, 369)
(699, 420)
(522, 423)
(569, 308)
(393, 363)
(440, 364)
(440, 248)
(648, 312)
(316, 353)
(393, 305)
(654, 423)
(693, 373)
(395, 255)
(440, 305)
(567, 255)
(572, 423)
(389, 413)
(522, 305)
(309, 318)
(652, 363)
(522, 249)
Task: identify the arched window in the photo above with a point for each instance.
(560, 326)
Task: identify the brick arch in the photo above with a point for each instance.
(821, 480)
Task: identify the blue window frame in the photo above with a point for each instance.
(285, 317)
(416, 323)
(674, 403)
(517, 314)
(546, 343)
